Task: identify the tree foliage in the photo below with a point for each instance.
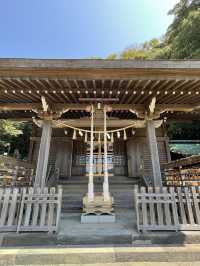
(9, 128)
(112, 56)
(147, 50)
(184, 130)
(181, 41)
(183, 35)
(21, 141)
(14, 135)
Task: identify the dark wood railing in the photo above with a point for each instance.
(182, 172)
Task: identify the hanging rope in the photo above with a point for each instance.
(95, 132)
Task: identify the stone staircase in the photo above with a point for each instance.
(75, 187)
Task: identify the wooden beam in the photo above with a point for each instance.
(96, 69)
(19, 106)
(115, 107)
(98, 99)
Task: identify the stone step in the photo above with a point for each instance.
(76, 204)
(112, 180)
(114, 185)
(82, 190)
(74, 189)
(98, 184)
(114, 193)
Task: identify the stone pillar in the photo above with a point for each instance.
(42, 162)
(91, 174)
(153, 147)
(106, 193)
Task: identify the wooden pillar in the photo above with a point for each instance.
(91, 174)
(153, 146)
(99, 165)
(42, 162)
(106, 193)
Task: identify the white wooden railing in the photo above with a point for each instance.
(26, 209)
(167, 208)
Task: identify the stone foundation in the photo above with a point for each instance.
(98, 219)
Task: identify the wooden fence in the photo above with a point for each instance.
(9, 208)
(27, 209)
(167, 208)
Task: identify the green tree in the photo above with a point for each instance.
(184, 130)
(147, 50)
(182, 39)
(186, 44)
(14, 135)
(9, 128)
(180, 12)
(112, 56)
(21, 141)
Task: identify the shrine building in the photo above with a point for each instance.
(99, 120)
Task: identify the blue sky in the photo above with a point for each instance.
(78, 28)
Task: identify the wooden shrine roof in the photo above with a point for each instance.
(24, 81)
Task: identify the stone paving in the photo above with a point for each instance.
(119, 232)
(153, 263)
(177, 255)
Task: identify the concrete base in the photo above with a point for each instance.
(121, 233)
(97, 219)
